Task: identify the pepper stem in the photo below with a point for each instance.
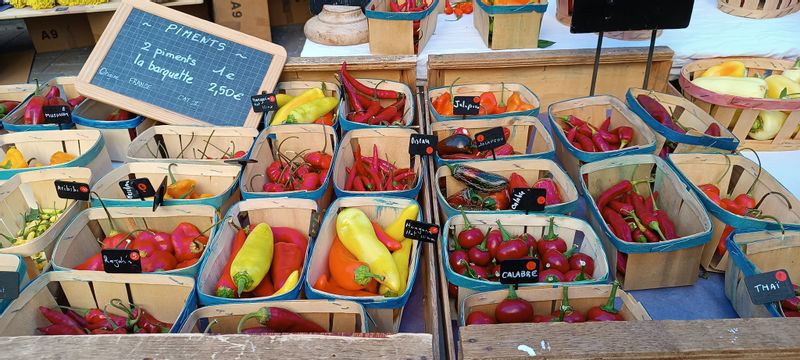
(114, 230)
(551, 235)
(208, 327)
(727, 168)
(171, 175)
(506, 235)
(582, 275)
(467, 224)
(482, 245)
(452, 95)
(262, 315)
(512, 293)
(758, 175)
(363, 276)
(789, 204)
(612, 299)
(565, 306)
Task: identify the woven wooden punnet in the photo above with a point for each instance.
(501, 92)
(699, 169)
(408, 111)
(564, 16)
(300, 214)
(529, 137)
(185, 144)
(168, 298)
(337, 316)
(509, 27)
(756, 9)
(118, 135)
(400, 33)
(16, 92)
(298, 87)
(36, 189)
(739, 113)
(15, 120)
(650, 265)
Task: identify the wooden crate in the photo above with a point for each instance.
(688, 115)
(90, 289)
(735, 174)
(501, 91)
(392, 146)
(295, 139)
(651, 265)
(594, 110)
(509, 27)
(409, 109)
(397, 33)
(570, 229)
(16, 92)
(295, 88)
(300, 214)
(15, 120)
(80, 240)
(219, 180)
(739, 113)
(118, 135)
(36, 189)
(183, 144)
(759, 10)
(339, 316)
(386, 313)
(402, 68)
(530, 169)
(564, 16)
(87, 145)
(12, 263)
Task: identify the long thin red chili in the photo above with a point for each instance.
(378, 93)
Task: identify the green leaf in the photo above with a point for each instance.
(32, 215)
(545, 43)
(783, 94)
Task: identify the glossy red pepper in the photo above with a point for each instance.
(34, 112)
(713, 130)
(281, 320)
(55, 316)
(225, 286)
(159, 261)
(388, 241)
(666, 225)
(374, 92)
(722, 245)
(287, 259)
(552, 195)
(187, 241)
(585, 142)
(61, 329)
(607, 312)
(516, 181)
(618, 225)
(497, 201)
(625, 134)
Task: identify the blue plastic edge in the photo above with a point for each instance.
(387, 15)
(80, 161)
(512, 9)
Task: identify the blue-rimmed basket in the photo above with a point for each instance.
(12, 263)
(509, 26)
(386, 312)
(297, 87)
(501, 92)
(187, 144)
(530, 169)
(15, 92)
(87, 145)
(78, 242)
(528, 137)
(118, 135)
(688, 115)
(300, 214)
(700, 169)
(408, 112)
(218, 180)
(291, 141)
(400, 33)
(594, 110)
(650, 265)
(93, 289)
(15, 121)
(392, 146)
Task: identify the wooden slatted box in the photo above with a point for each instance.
(187, 144)
(297, 87)
(15, 121)
(408, 112)
(510, 26)
(399, 33)
(501, 91)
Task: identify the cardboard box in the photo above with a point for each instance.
(287, 12)
(54, 33)
(15, 68)
(248, 16)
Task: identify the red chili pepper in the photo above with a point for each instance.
(290, 235)
(101, 331)
(318, 160)
(573, 120)
(351, 93)
(265, 288)
(606, 124)
(287, 259)
(618, 225)
(351, 178)
(57, 317)
(225, 285)
(638, 236)
(378, 93)
(620, 207)
(577, 145)
(389, 113)
(76, 101)
(405, 176)
(713, 130)
(600, 142)
(585, 142)
(571, 134)
(618, 189)
(388, 241)
(34, 112)
(649, 219)
(722, 245)
(516, 181)
(94, 263)
(372, 110)
(187, 242)
(358, 185)
(281, 320)
(625, 134)
(61, 329)
(53, 92)
(666, 225)
(552, 195)
(394, 7)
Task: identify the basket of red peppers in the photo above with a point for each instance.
(525, 137)
(551, 305)
(29, 114)
(376, 161)
(595, 128)
(93, 303)
(653, 226)
(750, 200)
(400, 27)
(273, 255)
(118, 126)
(292, 161)
(486, 186)
(374, 103)
(192, 144)
(569, 251)
(495, 101)
(680, 126)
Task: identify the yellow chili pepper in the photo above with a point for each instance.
(179, 189)
(396, 228)
(312, 110)
(283, 113)
(290, 283)
(779, 86)
(254, 259)
(283, 99)
(515, 103)
(357, 235)
(60, 157)
(14, 159)
(401, 259)
(728, 68)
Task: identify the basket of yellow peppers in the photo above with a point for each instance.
(305, 102)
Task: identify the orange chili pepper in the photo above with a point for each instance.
(324, 283)
(443, 104)
(488, 103)
(346, 270)
(179, 189)
(515, 103)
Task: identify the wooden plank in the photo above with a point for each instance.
(396, 68)
(28, 12)
(707, 339)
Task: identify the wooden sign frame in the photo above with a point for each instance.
(98, 55)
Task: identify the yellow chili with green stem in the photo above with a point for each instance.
(357, 235)
(254, 259)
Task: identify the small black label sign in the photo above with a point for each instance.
(421, 231)
(240, 162)
(769, 287)
(264, 102)
(490, 139)
(519, 271)
(9, 285)
(137, 188)
(528, 199)
(121, 261)
(158, 200)
(72, 190)
(58, 114)
(466, 105)
(421, 144)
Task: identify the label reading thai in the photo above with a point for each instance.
(769, 287)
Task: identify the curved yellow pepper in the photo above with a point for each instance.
(357, 235)
(254, 259)
(14, 159)
(289, 284)
(283, 113)
(728, 68)
(312, 110)
(60, 157)
(401, 259)
(396, 229)
(778, 85)
(283, 99)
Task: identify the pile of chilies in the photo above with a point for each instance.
(375, 174)
(490, 191)
(302, 172)
(584, 136)
(660, 113)
(96, 321)
(365, 102)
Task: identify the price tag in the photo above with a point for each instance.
(590, 16)
(769, 287)
(422, 145)
(137, 188)
(264, 102)
(72, 190)
(466, 105)
(528, 199)
(490, 139)
(421, 231)
(121, 261)
(9, 285)
(58, 114)
(158, 200)
(519, 271)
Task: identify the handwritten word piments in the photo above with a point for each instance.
(190, 34)
(186, 59)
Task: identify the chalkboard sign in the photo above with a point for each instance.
(590, 16)
(769, 287)
(421, 231)
(466, 105)
(9, 285)
(519, 271)
(528, 199)
(179, 69)
(121, 261)
(490, 139)
(72, 190)
(57, 114)
(421, 144)
(137, 188)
